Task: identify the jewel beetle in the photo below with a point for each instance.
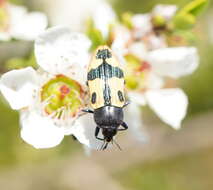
(105, 80)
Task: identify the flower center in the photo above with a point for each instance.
(62, 97)
(136, 72)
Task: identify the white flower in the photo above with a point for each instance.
(44, 97)
(103, 17)
(121, 38)
(133, 116)
(169, 104)
(166, 11)
(20, 24)
(49, 100)
(157, 61)
(173, 62)
(142, 25)
(75, 13)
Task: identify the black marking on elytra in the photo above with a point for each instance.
(105, 70)
(93, 99)
(120, 96)
(103, 54)
(107, 95)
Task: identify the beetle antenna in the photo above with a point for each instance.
(117, 145)
(102, 146)
(106, 144)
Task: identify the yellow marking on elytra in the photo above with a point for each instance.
(116, 85)
(113, 61)
(97, 86)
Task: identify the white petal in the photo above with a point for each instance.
(167, 11)
(16, 13)
(58, 50)
(29, 27)
(121, 38)
(23, 25)
(38, 131)
(133, 118)
(139, 49)
(137, 97)
(156, 42)
(84, 131)
(18, 87)
(169, 104)
(119, 55)
(103, 16)
(174, 62)
(154, 81)
(74, 12)
(142, 24)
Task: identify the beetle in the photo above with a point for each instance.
(105, 80)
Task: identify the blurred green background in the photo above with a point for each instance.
(190, 170)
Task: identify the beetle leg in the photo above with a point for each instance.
(74, 138)
(97, 130)
(124, 125)
(88, 111)
(126, 104)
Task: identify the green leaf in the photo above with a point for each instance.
(184, 21)
(194, 7)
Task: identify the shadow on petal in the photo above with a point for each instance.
(84, 131)
(133, 118)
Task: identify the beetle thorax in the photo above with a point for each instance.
(108, 116)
